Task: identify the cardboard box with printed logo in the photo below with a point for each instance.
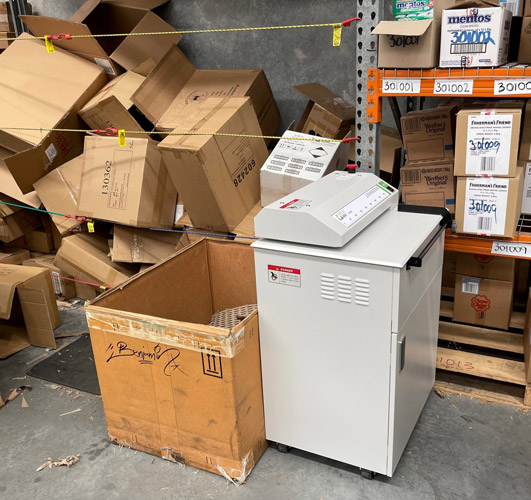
(429, 134)
(198, 368)
(429, 183)
(484, 302)
(487, 138)
(486, 266)
(175, 87)
(111, 16)
(414, 44)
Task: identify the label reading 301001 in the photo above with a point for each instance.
(400, 86)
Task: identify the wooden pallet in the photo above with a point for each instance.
(473, 373)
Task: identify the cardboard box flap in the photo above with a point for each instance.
(83, 12)
(163, 84)
(10, 277)
(12, 340)
(327, 99)
(9, 186)
(411, 28)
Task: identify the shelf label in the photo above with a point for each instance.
(453, 87)
(522, 250)
(512, 87)
(400, 86)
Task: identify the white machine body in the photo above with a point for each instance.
(348, 338)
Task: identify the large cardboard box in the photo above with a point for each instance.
(429, 134)
(414, 44)
(527, 339)
(217, 177)
(59, 192)
(86, 257)
(175, 86)
(198, 369)
(475, 37)
(295, 163)
(129, 185)
(28, 310)
(487, 139)
(16, 222)
(486, 266)
(142, 246)
(489, 206)
(62, 287)
(48, 96)
(15, 256)
(111, 16)
(483, 302)
(429, 183)
(112, 105)
(326, 114)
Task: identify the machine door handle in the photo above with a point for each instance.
(402, 353)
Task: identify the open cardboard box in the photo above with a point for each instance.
(16, 222)
(172, 384)
(28, 310)
(110, 16)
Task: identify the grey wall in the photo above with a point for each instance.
(289, 57)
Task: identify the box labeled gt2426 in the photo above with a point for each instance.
(475, 37)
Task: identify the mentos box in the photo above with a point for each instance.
(413, 9)
(475, 37)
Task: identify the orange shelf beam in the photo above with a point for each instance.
(482, 245)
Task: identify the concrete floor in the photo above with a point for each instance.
(460, 449)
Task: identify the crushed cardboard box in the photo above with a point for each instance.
(204, 381)
(62, 287)
(38, 240)
(9, 186)
(16, 222)
(28, 310)
(15, 256)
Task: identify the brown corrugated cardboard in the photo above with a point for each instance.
(246, 226)
(449, 271)
(428, 134)
(5, 43)
(326, 114)
(484, 302)
(203, 382)
(86, 257)
(527, 339)
(9, 186)
(16, 222)
(38, 240)
(390, 152)
(62, 287)
(412, 44)
(28, 310)
(111, 106)
(59, 192)
(429, 183)
(486, 266)
(524, 51)
(129, 185)
(217, 177)
(48, 96)
(13, 256)
(175, 86)
(489, 206)
(524, 152)
(110, 17)
(142, 246)
(487, 138)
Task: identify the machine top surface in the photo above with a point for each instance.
(390, 240)
(328, 212)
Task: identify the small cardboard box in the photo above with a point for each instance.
(524, 152)
(16, 222)
(295, 163)
(112, 105)
(38, 240)
(28, 101)
(175, 86)
(110, 16)
(475, 37)
(203, 382)
(13, 256)
(142, 246)
(429, 183)
(86, 257)
(217, 177)
(62, 287)
(429, 134)
(326, 114)
(483, 302)
(526, 194)
(414, 44)
(527, 339)
(487, 139)
(486, 266)
(59, 192)
(489, 206)
(422, 9)
(28, 310)
(128, 185)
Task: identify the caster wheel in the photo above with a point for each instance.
(367, 474)
(283, 448)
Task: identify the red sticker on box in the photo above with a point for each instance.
(284, 275)
(480, 303)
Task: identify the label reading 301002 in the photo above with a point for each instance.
(453, 87)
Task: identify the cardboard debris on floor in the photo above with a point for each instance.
(67, 462)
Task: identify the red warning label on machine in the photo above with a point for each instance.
(284, 275)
